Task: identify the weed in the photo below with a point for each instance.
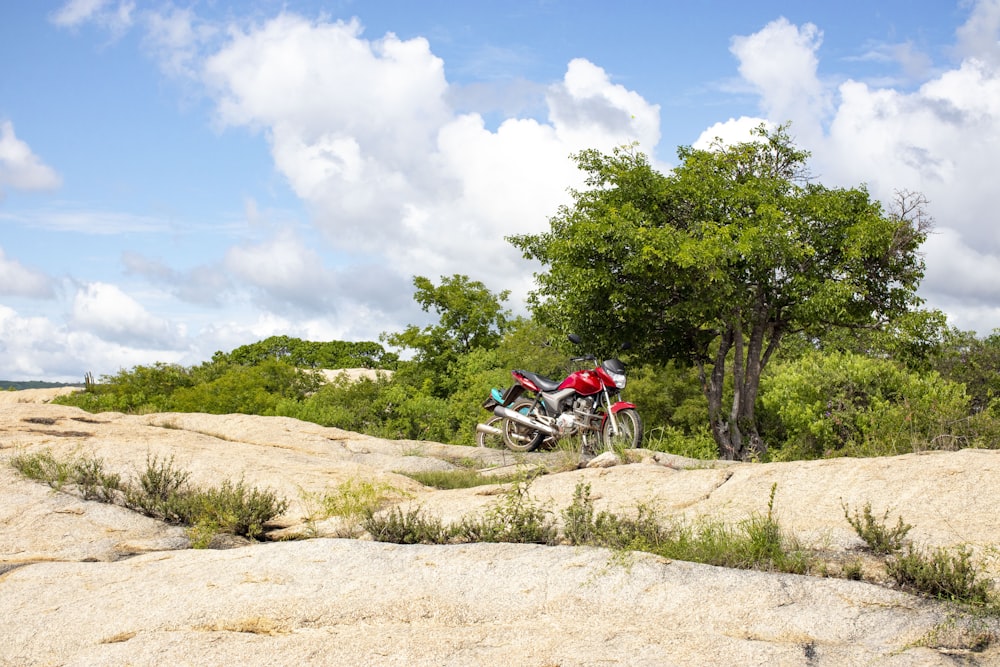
(411, 527)
(881, 539)
(94, 483)
(757, 543)
(162, 492)
(941, 574)
(460, 478)
(43, 467)
(853, 570)
(516, 518)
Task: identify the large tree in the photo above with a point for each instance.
(717, 261)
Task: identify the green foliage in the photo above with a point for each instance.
(470, 317)
(881, 539)
(669, 394)
(757, 543)
(309, 354)
(942, 574)
(141, 390)
(234, 508)
(43, 467)
(252, 390)
(845, 404)
(973, 361)
(410, 527)
(697, 445)
(516, 518)
(161, 491)
(460, 478)
(716, 262)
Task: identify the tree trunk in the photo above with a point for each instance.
(736, 433)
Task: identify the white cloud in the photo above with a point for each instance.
(175, 37)
(587, 110)
(114, 316)
(365, 133)
(941, 139)
(780, 62)
(20, 168)
(18, 280)
(114, 17)
(732, 131)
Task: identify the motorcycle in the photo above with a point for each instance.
(587, 403)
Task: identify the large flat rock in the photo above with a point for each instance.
(94, 584)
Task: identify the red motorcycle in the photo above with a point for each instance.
(587, 403)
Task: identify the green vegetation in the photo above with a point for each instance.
(939, 573)
(161, 491)
(460, 478)
(715, 263)
(770, 319)
(881, 539)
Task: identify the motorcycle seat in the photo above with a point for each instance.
(542, 382)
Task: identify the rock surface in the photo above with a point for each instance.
(85, 583)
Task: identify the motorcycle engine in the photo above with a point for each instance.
(566, 423)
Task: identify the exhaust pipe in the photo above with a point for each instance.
(523, 420)
(488, 430)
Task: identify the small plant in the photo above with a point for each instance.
(853, 570)
(162, 492)
(578, 519)
(43, 467)
(460, 478)
(94, 483)
(516, 518)
(941, 574)
(881, 539)
(236, 509)
(351, 501)
(410, 527)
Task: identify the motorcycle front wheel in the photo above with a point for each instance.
(517, 437)
(629, 434)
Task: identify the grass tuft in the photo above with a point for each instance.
(161, 491)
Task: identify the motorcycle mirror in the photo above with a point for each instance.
(573, 338)
(626, 345)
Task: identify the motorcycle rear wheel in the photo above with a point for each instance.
(491, 440)
(629, 434)
(517, 437)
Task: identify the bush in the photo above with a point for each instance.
(411, 527)
(836, 404)
(516, 518)
(162, 491)
(881, 539)
(757, 543)
(941, 574)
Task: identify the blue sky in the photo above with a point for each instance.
(178, 178)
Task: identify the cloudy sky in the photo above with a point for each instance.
(178, 178)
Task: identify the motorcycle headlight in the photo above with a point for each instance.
(619, 379)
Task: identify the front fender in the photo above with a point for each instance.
(622, 405)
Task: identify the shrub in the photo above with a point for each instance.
(460, 478)
(516, 518)
(827, 404)
(881, 539)
(410, 527)
(941, 574)
(162, 491)
(757, 543)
